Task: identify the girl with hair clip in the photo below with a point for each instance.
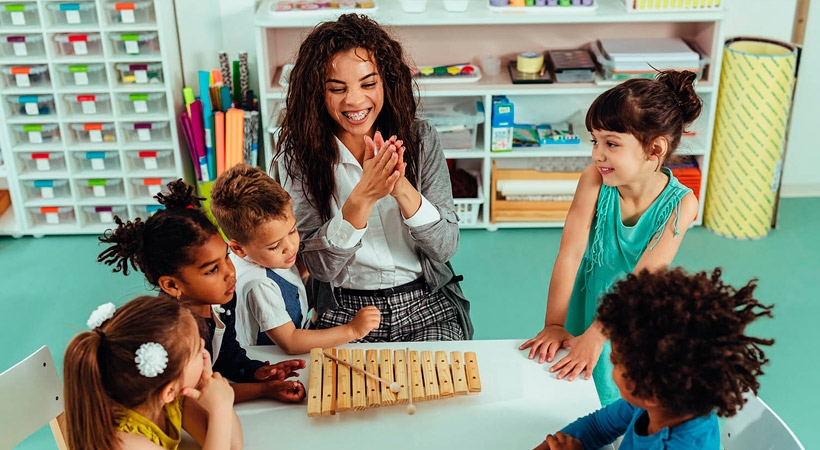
(139, 376)
(371, 190)
(629, 213)
(181, 252)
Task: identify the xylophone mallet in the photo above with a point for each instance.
(411, 409)
(394, 387)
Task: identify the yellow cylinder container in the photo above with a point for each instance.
(754, 101)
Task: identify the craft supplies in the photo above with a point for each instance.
(454, 73)
(570, 66)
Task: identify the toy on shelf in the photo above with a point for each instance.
(322, 7)
(543, 6)
(454, 73)
(572, 66)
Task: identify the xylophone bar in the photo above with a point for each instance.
(421, 376)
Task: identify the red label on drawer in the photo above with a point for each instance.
(21, 70)
(40, 156)
(86, 98)
(49, 209)
(151, 181)
(92, 126)
(15, 39)
(122, 6)
(77, 38)
(147, 154)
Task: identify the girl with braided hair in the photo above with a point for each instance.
(182, 253)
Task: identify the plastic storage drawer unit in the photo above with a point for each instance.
(100, 188)
(73, 13)
(26, 76)
(19, 14)
(146, 43)
(42, 162)
(146, 211)
(154, 160)
(52, 215)
(96, 161)
(88, 104)
(103, 214)
(146, 131)
(151, 102)
(23, 45)
(94, 133)
(88, 44)
(36, 133)
(148, 187)
(31, 105)
(130, 13)
(140, 73)
(82, 75)
(46, 189)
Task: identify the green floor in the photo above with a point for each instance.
(55, 282)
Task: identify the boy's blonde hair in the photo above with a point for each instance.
(243, 198)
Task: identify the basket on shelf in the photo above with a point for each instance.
(671, 5)
(467, 209)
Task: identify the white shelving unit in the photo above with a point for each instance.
(102, 139)
(438, 37)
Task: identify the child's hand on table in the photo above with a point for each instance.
(280, 370)
(284, 391)
(546, 343)
(583, 354)
(560, 441)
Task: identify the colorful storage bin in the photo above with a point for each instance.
(132, 44)
(23, 45)
(75, 75)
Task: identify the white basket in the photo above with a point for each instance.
(467, 209)
(671, 5)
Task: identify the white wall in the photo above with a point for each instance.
(228, 25)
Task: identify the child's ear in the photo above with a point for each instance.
(236, 248)
(658, 148)
(170, 286)
(168, 393)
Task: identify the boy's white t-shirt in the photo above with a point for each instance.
(259, 302)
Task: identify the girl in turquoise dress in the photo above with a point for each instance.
(629, 213)
(141, 375)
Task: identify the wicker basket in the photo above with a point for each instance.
(671, 5)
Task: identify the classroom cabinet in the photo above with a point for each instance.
(87, 101)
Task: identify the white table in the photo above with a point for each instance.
(519, 404)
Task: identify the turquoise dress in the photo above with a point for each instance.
(613, 250)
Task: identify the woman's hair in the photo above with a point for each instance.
(307, 140)
(101, 377)
(164, 243)
(648, 108)
(680, 339)
(244, 198)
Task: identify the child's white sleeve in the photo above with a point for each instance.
(266, 305)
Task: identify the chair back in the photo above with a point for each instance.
(757, 427)
(32, 397)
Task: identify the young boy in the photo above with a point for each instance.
(680, 358)
(256, 215)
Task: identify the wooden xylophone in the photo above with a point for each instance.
(333, 387)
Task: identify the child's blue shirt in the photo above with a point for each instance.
(618, 419)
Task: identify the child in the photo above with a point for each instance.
(680, 359)
(376, 214)
(257, 216)
(181, 252)
(629, 213)
(139, 376)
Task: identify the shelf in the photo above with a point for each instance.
(44, 175)
(464, 154)
(690, 145)
(45, 147)
(88, 118)
(23, 60)
(389, 12)
(45, 118)
(49, 202)
(102, 201)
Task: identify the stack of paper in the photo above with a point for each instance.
(644, 54)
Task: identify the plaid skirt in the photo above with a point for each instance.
(416, 315)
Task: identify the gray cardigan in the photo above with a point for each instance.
(435, 243)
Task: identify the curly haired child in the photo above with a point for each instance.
(139, 376)
(680, 358)
(181, 252)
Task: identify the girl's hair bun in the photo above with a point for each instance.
(682, 84)
(180, 195)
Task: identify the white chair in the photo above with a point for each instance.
(32, 397)
(757, 427)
